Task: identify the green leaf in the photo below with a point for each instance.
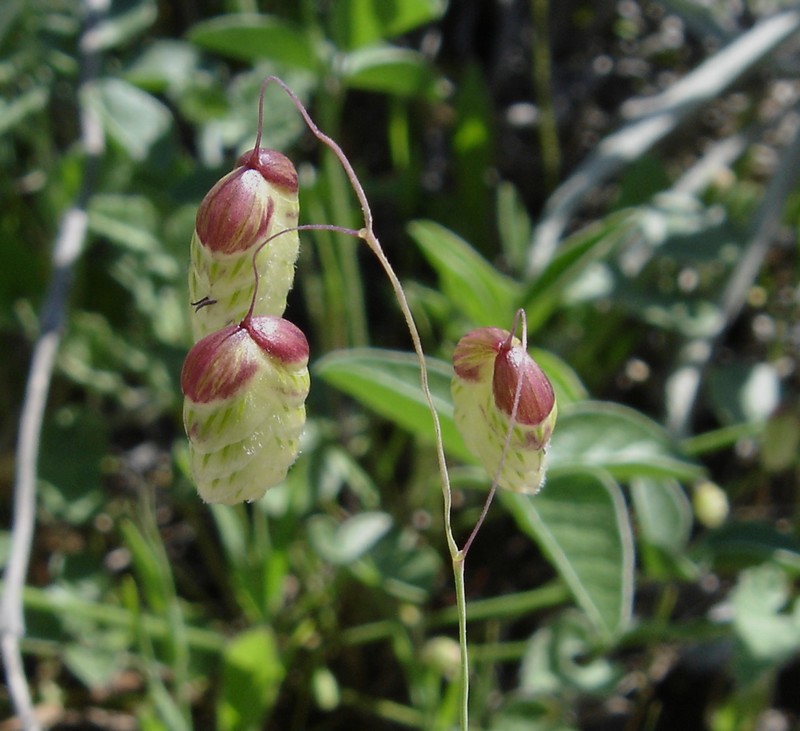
(343, 543)
(149, 567)
(563, 655)
(252, 672)
(474, 286)
(402, 566)
(573, 258)
(126, 21)
(358, 23)
(580, 522)
(132, 117)
(388, 382)
(738, 544)
(247, 37)
(664, 512)
(97, 665)
(397, 71)
(165, 65)
(616, 438)
(25, 104)
(767, 630)
(513, 225)
(74, 445)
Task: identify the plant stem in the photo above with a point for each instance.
(458, 556)
(461, 607)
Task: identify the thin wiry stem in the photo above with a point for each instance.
(457, 555)
(67, 248)
(369, 237)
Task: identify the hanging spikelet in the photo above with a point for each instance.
(489, 365)
(244, 391)
(253, 202)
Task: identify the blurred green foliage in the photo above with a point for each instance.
(327, 605)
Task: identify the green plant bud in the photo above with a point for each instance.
(710, 504)
(253, 202)
(244, 390)
(490, 364)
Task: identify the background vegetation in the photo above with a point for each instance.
(662, 164)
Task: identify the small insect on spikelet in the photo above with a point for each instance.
(491, 367)
(244, 392)
(252, 203)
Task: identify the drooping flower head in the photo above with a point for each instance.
(491, 366)
(244, 392)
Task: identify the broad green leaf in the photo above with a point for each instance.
(474, 286)
(398, 71)
(72, 486)
(149, 567)
(563, 654)
(388, 382)
(343, 543)
(741, 392)
(513, 224)
(663, 511)
(580, 522)
(132, 117)
(249, 37)
(165, 65)
(613, 437)
(14, 112)
(402, 566)
(766, 625)
(127, 220)
(125, 21)
(738, 544)
(573, 258)
(358, 23)
(252, 672)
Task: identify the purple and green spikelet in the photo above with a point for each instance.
(253, 202)
(490, 365)
(244, 392)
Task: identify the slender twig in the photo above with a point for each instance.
(67, 248)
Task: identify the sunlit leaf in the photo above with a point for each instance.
(580, 522)
(472, 284)
(573, 259)
(250, 37)
(388, 382)
(619, 439)
(664, 512)
(387, 69)
(252, 672)
(343, 543)
(358, 23)
(134, 118)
